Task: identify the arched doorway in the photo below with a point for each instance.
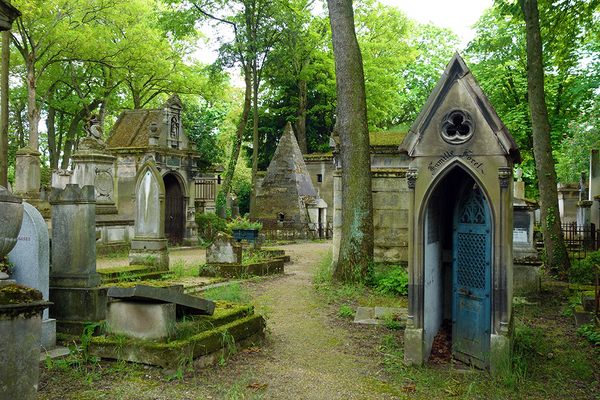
(457, 254)
(174, 209)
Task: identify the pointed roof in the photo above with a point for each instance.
(288, 165)
(458, 70)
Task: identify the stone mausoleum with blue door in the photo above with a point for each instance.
(460, 224)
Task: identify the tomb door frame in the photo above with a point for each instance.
(175, 207)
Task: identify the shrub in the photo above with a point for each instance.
(393, 280)
(585, 270)
(209, 224)
(243, 223)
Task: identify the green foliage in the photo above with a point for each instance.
(209, 224)
(585, 270)
(254, 256)
(392, 280)
(346, 311)
(590, 332)
(243, 223)
(392, 322)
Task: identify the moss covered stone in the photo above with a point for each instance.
(18, 294)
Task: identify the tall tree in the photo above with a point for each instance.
(356, 247)
(557, 258)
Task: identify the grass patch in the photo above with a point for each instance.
(181, 270)
(346, 311)
(232, 293)
(353, 294)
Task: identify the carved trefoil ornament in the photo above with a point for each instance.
(457, 127)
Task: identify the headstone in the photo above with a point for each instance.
(30, 258)
(74, 282)
(224, 250)
(186, 303)
(149, 245)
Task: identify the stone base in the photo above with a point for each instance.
(75, 307)
(141, 320)
(414, 349)
(106, 209)
(20, 353)
(500, 354)
(200, 346)
(88, 280)
(151, 252)
(48, 339)
(275, 266)
(526, 279)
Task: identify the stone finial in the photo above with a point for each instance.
(73, 194)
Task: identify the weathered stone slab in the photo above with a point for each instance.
(186, 303)
(223, 251)
(141, 320)
(378, 315)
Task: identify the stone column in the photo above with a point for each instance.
(27, 173)
(94, 165)
(74, 282)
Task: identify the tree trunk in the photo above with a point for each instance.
(4, 109)
(356, 247)
(255, 85)
(301, 122)
(236, 146)
(557, 259)
(70, 140)
(33, 111)
(51, 129)
(20, 127)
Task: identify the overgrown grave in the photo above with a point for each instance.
(163, 326)
(230, 259)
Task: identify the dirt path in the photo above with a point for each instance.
(304, 357)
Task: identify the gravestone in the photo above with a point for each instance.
(74, 282)
(30, 258)
(224, 251)
(149, 245)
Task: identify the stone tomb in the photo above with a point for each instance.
(30, 258)
(146, 312)
(460, 224)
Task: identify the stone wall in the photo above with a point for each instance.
(390, 214)
(322, 164)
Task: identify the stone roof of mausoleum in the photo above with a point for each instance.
(132, 129)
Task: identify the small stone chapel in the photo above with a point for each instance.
(460, 223)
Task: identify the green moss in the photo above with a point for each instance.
(390, 138)
(18, 294)
(120, 270)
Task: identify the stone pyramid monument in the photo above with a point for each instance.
(286, 191)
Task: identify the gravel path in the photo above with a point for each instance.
(191, 256)
(305, 357)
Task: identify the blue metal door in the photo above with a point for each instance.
(471, 278)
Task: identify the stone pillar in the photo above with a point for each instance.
(594, 185)
(27, 173)
(74, 282)
(93, 165)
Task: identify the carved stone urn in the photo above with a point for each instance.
(11, 217)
